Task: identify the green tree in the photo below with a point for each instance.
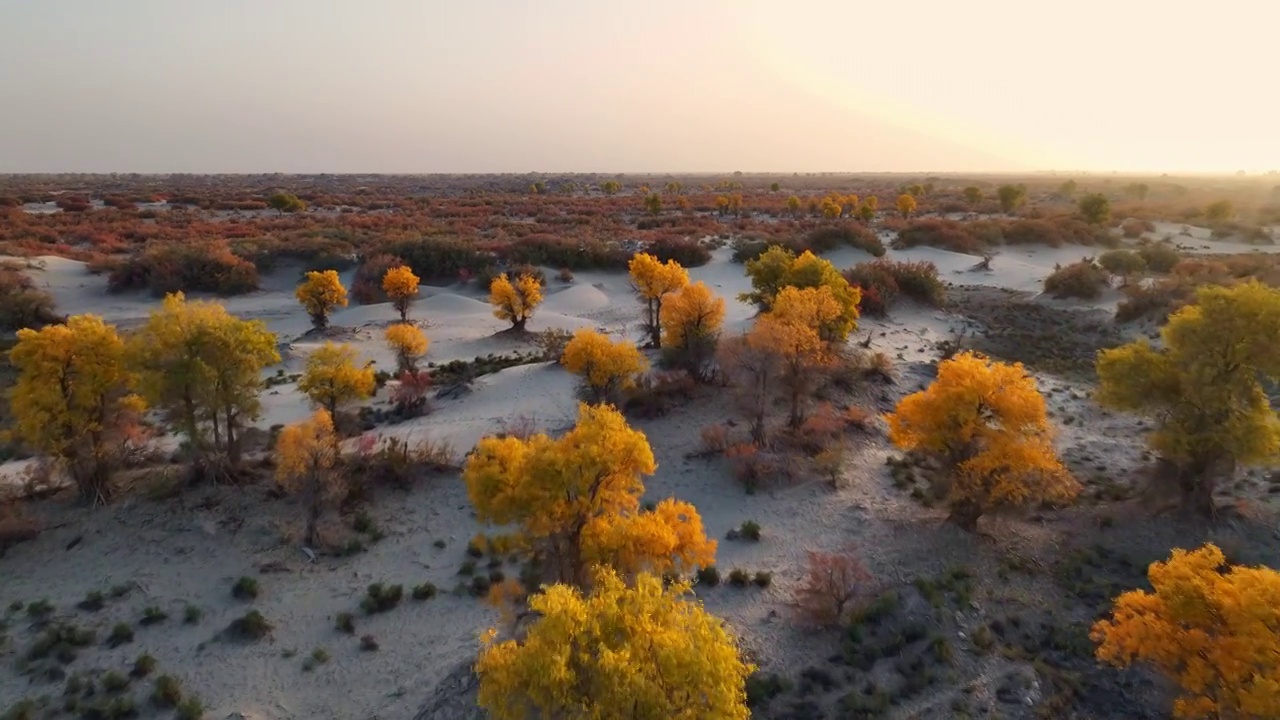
(283, 202)
(1011, 197)
(1219, 211)
(1095, 208)
(973, 195)
(778, 267)
(1203, 385)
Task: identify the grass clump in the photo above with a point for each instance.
(251, 626)
(425, 591)
(749, 530)
(708, 576)
(114, 682)
(318, 657)
(368, 643)
(153, 616)
(739, 577)
(167, 692)
(40, 609)
(143, 666)
(246, 588)
(191, 709)
(763, 579)
(191, 615)
(381, 598)
(121, 633)
(345, 623)
(92, 602)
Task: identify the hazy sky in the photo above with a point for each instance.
(627, 85)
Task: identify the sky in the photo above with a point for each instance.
(480, 86)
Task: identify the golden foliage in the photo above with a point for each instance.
(409, 345)
(306, 453)
(641, 651)
(652, 279)
(577, 498)
(799, 354)
(72, 400)
(690, 314)
(320, 293)
(906, 205)
(515, 303)
(1212, 629)
(401, 287)
(332, 378)
(607, 366)
(203, 367)
(778, 268)
(1204, 385)
(988, 423)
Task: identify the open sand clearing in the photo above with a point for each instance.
(189, 550)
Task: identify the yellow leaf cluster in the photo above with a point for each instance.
(1212, 629)
(578, 498)
(778, 268)
(640, 651)
(906, 205)
(606, 366)
(515, 303)
(1203, 383)
(331, 377)
(653, 279)
(73, 395)
(988, 422)
(401, 287)
(409, 345)
(690, 314)
(203, 367)
(320, 293)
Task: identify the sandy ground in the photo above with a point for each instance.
(190, 550)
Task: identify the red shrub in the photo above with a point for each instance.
(834, 584)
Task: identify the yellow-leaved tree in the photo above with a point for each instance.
(1211, 628)
(516, 302)
(306, 453)
(332, 377)
(576, 500)
(691, 318)
(401, 287)
(778, 268)
(800, 356)
(906, 205)
(608, 367)
(1204, 386)
(203, 367)
(409, 345)
(652, 280)
(73, 399)
(320, 293)
(623, 651)
(987, 423)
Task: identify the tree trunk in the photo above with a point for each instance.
(965, 514)
(1197, 482)
(518, 324)
(233, 447)
(795, 419)
(655, 323)
(313, 513)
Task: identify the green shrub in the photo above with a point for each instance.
(1159, 257)
(739, 577)
(153, 615)
(381, 598)
(425, 591)
(708, 576)
(114, 682)
(167, 692)
(368, 643)
(763, 579)
(750, 530)
(143, 666)
(246, 588)
(1082, 279)
(345, 622)
(191, 614)
(251, 626)
(92, 602)
(121, 633)
(191, 709)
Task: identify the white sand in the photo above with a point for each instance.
(190, 550)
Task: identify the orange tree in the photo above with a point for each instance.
(401, 287)
(1213, 629)
(320, 293)
(515, 302)
(691, 318)
(652, 280)
(987, 422)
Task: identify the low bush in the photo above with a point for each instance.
(143, 666)
(251, 626)
(368, 643)
(425, 591)
(830, 237)
(708, 576)
(1084, 279)
(381, 598)
(656, 393)
(689, 253)
(1159, 257)
(246, 588)
(195, 267)
(121, 633)
(877, 284)
(22, 304)
(167, 692)
(739, 577)
(945, 234)
(438, 258)
(833, 586)
(345, 622)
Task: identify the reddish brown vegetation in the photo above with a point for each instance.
(834, 585)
